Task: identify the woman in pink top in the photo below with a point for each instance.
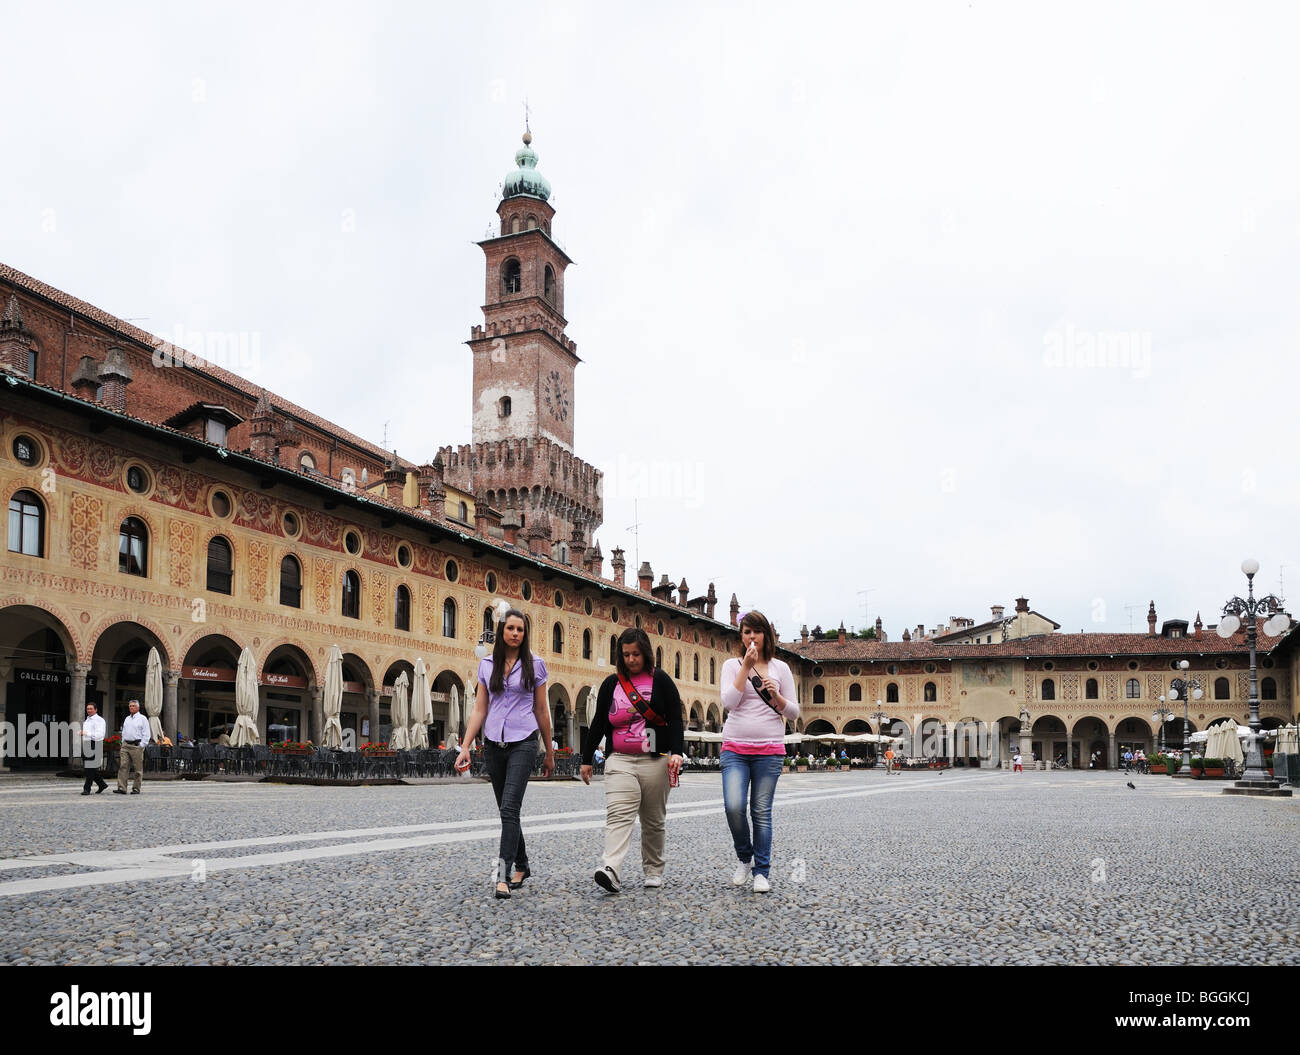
(753, 744)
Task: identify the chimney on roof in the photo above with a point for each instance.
(1151, 619)
(114, 376)
(485, 517)
(85, 380)
(803, 634)
(843, 639)
(1197, 625)
(710, 601)
(594, 560)
(920, 631)
(394, 482)
(997, 611)
(538, 534)
(907, 636)
(433, 488)
(510, 524)
(262, 430)
(618, 564)
(880, 630)
(1022, 605)
(682, 592)
(15, 340)
(735, 610)
(645, 577)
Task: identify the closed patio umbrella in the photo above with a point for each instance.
(421, 709)
(591, 704)
(453, 716)
(332, 736)
(245, 732)
(153, 695)
(401, 713)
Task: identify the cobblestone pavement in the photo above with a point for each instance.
(959, 867)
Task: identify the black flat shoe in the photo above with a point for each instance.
(515, 886)
(502, 895)
(85, 792)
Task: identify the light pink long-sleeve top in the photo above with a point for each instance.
(749, 719)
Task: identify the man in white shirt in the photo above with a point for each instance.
(92, 749)
(135, 735)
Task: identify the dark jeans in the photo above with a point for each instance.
(509, 769)
(93, 776)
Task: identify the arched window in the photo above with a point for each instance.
(557, 639)
(1090, 689)
(696, 664)
(659, 658)
(855, 693)
(548, 288)
(586, 644)
(402, 609)
(464, 512)
(220, 565)
(1221, 688)
(505, 406)
(511, 281)
(488, 624)
(133, 547)
(351, 595)
(307, 462)
(448, 618)
(677, 665)
(291, 582)
(1049, 689)
(713, 672)
(819, 694)
(26, 524)
(1268, 689)
(931, 693)
(891, 692)
(613, 651)
(514, 224)
(1132, 690)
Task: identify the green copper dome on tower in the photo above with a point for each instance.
(526, 180)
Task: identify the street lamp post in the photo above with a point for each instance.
(879, 717)
(1189, 689)
(1248, 610)
(1162, 714)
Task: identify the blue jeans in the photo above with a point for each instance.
(509, 770)
(738, 772)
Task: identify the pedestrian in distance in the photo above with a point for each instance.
(92, 750)
(510, 709)
(639, 710)
(135, 737)
(1019, 768)
(758, 694)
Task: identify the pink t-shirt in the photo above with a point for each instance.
(627, 727)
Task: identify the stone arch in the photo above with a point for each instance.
(300, 654)
(820, 726)
(560, 702)
(162, 644)
(1091, 737)
(713, 717)
(64, 626)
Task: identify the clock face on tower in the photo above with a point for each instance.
(555, 396)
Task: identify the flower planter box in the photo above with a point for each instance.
(1158, 770)
(1213, 774)
(801, 769)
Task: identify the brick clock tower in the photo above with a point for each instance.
(521, 459)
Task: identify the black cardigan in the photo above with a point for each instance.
(664, 700)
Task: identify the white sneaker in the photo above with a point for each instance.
(742, 875)
(654, 881)
(761, 885)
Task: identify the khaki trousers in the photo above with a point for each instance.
(636, 785)
(132, 759)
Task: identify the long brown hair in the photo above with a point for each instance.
(526, 673)
(757, 621)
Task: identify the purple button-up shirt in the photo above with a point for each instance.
(510, 716)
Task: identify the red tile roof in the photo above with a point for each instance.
(133, 333)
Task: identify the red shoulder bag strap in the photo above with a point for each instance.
(639, 702)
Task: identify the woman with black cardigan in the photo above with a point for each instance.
(640, 711)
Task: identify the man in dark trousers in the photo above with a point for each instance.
(92, 749)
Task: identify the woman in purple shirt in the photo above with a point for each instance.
(509, 708)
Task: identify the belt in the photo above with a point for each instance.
(133, 743)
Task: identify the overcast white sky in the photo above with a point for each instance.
(948, 301)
